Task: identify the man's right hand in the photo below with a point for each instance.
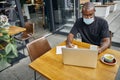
(69, 40)
(70, 45)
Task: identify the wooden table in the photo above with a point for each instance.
(50, 65)
(15, 29)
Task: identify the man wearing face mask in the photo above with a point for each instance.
(93, 29)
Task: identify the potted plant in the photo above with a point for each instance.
(8, 48)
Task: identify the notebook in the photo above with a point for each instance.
(80, 57)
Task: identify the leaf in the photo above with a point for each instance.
(11, 47)
(14, 50)
(11, 55)
(1, 46)
(5, 38)
(3, 31)
(8, 48)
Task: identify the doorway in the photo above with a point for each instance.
(65, 13)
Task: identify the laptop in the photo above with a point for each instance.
(80, 57)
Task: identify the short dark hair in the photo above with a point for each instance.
(88, 6)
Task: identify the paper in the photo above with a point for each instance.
(59, 49)
(93, 47)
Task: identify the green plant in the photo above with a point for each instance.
(8, 48)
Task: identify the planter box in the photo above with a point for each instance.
(113, 6)
(3, 63)
(102, 10)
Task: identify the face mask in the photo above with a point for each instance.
(88, 21)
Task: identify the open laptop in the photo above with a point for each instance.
(80, 57)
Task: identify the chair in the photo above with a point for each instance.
(26, 35)
(37, 48)
(111, 35)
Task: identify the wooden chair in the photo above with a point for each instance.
(26, 35)
(111, 35)
(37, 48)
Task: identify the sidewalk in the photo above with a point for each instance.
(21, 70)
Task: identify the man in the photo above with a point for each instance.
(93, 30)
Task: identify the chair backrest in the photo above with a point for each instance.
(29, 27)
(38, 47)
(111, 35)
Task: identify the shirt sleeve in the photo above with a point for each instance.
(74, 29)
(105, 30)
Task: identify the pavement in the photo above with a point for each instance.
(21, 70)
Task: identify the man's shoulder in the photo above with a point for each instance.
(99, 18)
(79, 19)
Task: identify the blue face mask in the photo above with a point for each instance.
(88, 21)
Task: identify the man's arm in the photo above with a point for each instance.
(104, 45)
(69, 40)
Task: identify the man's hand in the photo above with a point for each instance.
(104, 45)
(70, 45)
(69, 40)
(99, 50)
